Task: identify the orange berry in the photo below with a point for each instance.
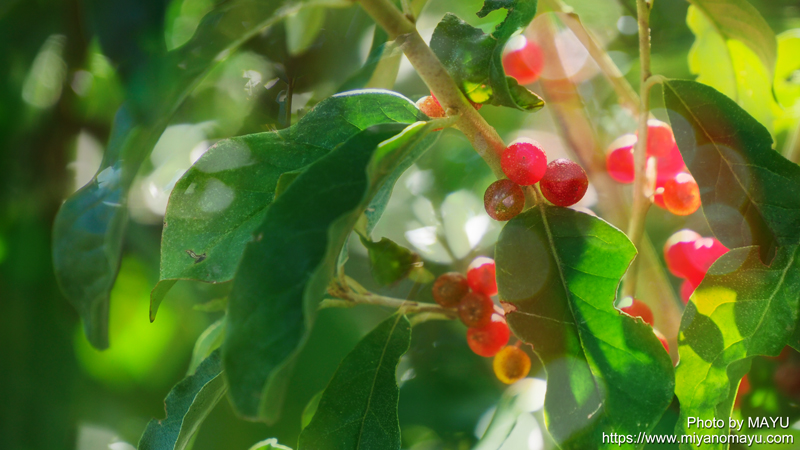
(511, 364)
(682, 195)
(431, 107)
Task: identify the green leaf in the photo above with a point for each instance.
(557, 274)
(208, 341)
(358, 409)
(787, 70)
(187, 405)
(89, 227)
(474, 58)
(741, 309)
(735, 52)
(739, 20)
(750, 193)
(285, 270)
(217, 204)
(389, 262)
(310, 410)
(303, 27)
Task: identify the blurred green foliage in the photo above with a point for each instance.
(67, 67)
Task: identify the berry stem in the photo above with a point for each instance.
(641, 204)
(347, 298)
(626, 94)
(484, 137)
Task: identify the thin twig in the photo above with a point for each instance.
(484, 138)
(641, 204)
(626, 94)
(350, 299)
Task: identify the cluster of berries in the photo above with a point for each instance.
(562, 181)
(487, 332)
(672, 187)
(689, 256)
(637, 308)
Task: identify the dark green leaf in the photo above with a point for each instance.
(389, 262)
(187, 405)
(558, 272)
(217, 204)
(474, 58)
(750, 193)
(286, 268)
(88, 230)
(741, 309)
(358, 409)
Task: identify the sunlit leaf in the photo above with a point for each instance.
(735, 52)
(787, 71)
(217, 204)
(358, 409)
(474, 58)
(557, 272)
(286, 268)
(750, 193)
(741, 309)
(187, 405)
(741, 21)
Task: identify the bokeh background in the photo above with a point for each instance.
(65, 68)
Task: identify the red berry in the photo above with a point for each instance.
(670, 165)
(511, 364)
(660, 140)
(637, 308)
(525, 64)
(449, 289)
(564, 183)
(524, 162)
(430, 107)
(703, 254)
(662, 339)
(476, 310)
(503, 200)
(678, 253)
(487, 341)
(687, 289)
(744, 388)
(689, 256)
(682, 194)
(481, 276)
(619, 161)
